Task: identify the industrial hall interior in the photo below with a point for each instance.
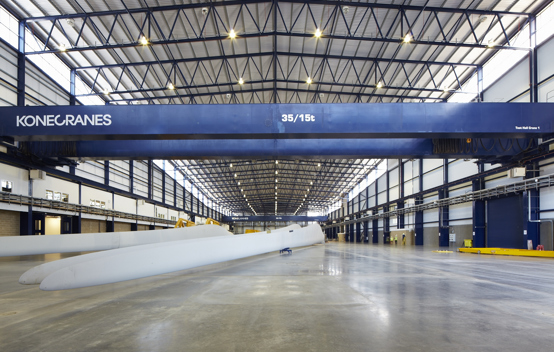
(276, 175)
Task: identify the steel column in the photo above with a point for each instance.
(131, 176)
(479, 225)
(77, 225)
(418, 226)
(531, 208)
(21, 61)
(375, 226)
(366, 232)
(163, 186)
(444, 226)
(72, 99)
(26, 219)
(533, 61)
(150, 179)
(480, 83)
(386, 226)
(107, 172)
(358, 232)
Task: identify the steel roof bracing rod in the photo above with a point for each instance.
(150, 13)
(232, 84)
(252, 91)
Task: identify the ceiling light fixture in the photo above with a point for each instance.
(241, 81)
(232, 34)
(379, 84)
(317, 33)
(309, 80)
(143, 40)
(62, 47)
(170, 86)
(408, 38)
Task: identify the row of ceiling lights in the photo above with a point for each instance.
(233, 35)
(276, 193)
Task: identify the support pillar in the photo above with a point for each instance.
(163, 186)
(400, 218)
(533, 62)
(386, 224)
(479, 83)
(72, 99)
(107, 172)
(444, 224)
(358, 232)
(366, 232)
(479, 225)
(21, 66)
(418, 226)
(375, 226)
(131, 176)
(150, 179)
(77, 219)
(531, 208)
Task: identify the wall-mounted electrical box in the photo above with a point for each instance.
(517, 172)
(37, 175)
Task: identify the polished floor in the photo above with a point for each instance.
(333, 297)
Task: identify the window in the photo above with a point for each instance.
(57, 196)
(7, 186)
(65, 197)
(49, 194)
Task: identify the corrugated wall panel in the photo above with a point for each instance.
(382, 184)
(460, 169)
(545, 64)
(8, 76)
(394, 193)
(431, 164)
(432, 178)
(510, 85)
(382, 198)
(393, 177)
(371, 201)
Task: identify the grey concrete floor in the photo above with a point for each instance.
(333, 297)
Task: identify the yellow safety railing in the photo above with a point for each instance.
(251, 231)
